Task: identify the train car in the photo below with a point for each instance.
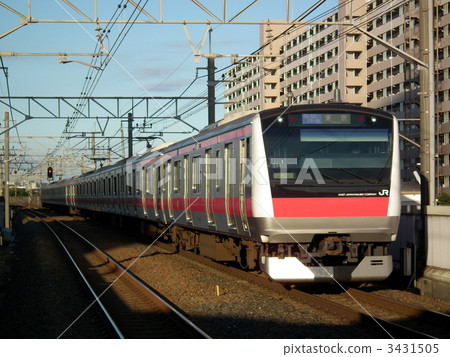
(307, 193)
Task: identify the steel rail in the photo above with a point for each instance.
(430, 317)
(139, 282)
(96, 298)
(348, 314)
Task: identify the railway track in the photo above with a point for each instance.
(353, 306)
(344, 308)
(428, 322)
(131, 307)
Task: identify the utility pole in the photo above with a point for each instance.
(211, 91)
(93, 151)
(7, 218)
(211, 84)
(427, 100)
(130, 134)
(122, 140)
(60, 168)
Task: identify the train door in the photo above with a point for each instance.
(209, 178)
(169, 189)
(122, 192)
(229, 185)
(109, 191)
(163, 191)
(116, 192)
(144, 190)
(67, 194)
(134, 191)
(186, 189)
(156, 174)
(243, 158)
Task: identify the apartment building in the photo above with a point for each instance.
(314, 63)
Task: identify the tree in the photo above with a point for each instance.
(444, 199)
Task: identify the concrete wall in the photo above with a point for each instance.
(436, 278)
(34, 201)
(438, 227)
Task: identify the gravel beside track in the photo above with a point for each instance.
(220, 304)
(425, 302)
(41, 296)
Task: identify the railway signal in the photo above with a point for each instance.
(50, 172)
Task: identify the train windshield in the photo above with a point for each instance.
(328, 149)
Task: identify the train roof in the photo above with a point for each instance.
(209, 131)
(232, 123)
(268, 113)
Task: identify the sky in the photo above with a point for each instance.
(152, 60)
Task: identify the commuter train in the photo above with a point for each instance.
(306, 193)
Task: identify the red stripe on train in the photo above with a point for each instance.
(216, 205)
(331, 207)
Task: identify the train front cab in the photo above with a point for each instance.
(326, 201)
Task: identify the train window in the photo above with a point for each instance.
(158, 179)
(163, 177)
(134, 188)
(176, 176)
(115, 186)
(137, 183)
(129, 185)
(340, 147)
(149, 185)
(196, 174)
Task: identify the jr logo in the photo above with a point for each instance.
(383, 193)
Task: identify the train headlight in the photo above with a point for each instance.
(264, 238)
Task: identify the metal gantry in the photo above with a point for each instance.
(76, 15)
(95, 107)
(221, 15)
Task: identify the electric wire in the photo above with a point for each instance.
(194, 104)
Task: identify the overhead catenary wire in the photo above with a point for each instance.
(90, 84)
(194, 106)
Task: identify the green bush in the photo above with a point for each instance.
(21, 192)
(444, 199)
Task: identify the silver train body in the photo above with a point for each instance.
(309, 193)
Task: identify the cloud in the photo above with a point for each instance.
(153, 71)
(174, 87)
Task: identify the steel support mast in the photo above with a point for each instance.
(427, 99)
